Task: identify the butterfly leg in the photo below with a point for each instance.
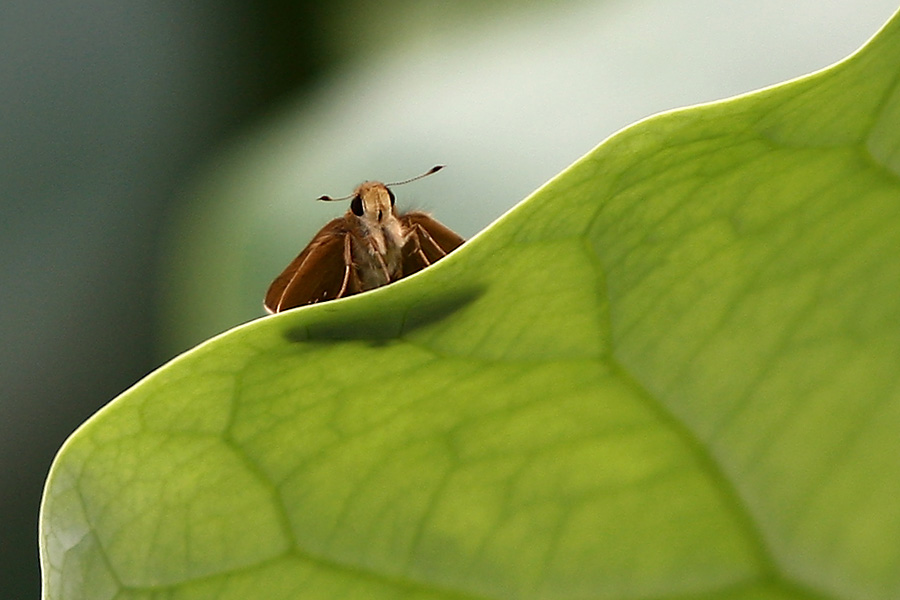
(381, 263)
(348, 267)
(417, 250)
(423, 234)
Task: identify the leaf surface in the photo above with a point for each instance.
(672, 372)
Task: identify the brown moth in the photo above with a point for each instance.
(370, 246)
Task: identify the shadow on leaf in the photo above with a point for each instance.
(379, 327)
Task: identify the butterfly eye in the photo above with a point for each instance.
(391, 195)
(356, 205)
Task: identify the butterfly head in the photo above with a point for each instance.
(372, 202)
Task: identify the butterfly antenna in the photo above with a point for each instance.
(430, 171)
(330, 199)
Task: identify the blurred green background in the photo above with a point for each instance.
(159, 159)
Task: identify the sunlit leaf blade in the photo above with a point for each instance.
(673, 372)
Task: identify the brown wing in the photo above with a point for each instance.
(429, 241)
(318, 273)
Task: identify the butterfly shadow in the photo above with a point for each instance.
(380, 327)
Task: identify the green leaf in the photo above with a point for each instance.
(672, 372)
